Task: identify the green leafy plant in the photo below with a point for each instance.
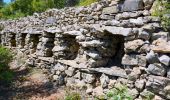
(5, 58)
(20, 8)
(119, 93)
(161, 9)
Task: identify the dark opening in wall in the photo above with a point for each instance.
(73, 48)
(23, 36)
(66, 47)
(45, 45)
(12, 41)
(116, 49)
(34, 39)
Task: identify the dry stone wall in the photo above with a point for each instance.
(97, 47)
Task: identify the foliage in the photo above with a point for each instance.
(119, 93)
(161, 9)
(73, 96)
(86, 2)
(21, 8)
(5, 59)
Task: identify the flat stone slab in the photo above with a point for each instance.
(161, 46)
(118, 30)
(113, 71)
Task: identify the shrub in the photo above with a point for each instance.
(86, 2)
(162, 9)
(5, 59)
(119, 93)
(20, 8)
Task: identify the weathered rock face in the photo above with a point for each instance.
(107, 43)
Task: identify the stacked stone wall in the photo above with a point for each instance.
(97, 47)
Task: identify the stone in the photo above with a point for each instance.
(156, 69)
(112, 23)
(77, 75)
(158, 84)
(133, 60)
(70, 82)
(110, 10)
(51, 20)
(93, 43)
(59, 80)
(59, 67)
(132, 5)
(147, 94)
(118, 30)
(134, 75)
(164, 59)
(137, 22)
(93, 54)
(89, 91)
(163, 35)
(152, 57)
(89, 78)
(70, 71)
(113, 71)
(133, 93)
(104, 80)
(98, 91)
(53, 30)
(167, 91)
(168, 73)
(111, 83)
(80, 83)
(133, 46)
(73, 33)
(140, 84)
(143, 34)
(106, 17)
(161, 46)
(148, 4)
(158, 98)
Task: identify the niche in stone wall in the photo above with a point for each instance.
(12, 40)
(115, 51)
(23, 36)
(66, 47)
(34, 39)
(45, 45)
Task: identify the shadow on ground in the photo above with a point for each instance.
(30, 85)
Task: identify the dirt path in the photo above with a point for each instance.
(30, 84)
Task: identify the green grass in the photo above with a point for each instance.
(86, 2)
(73, 96)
